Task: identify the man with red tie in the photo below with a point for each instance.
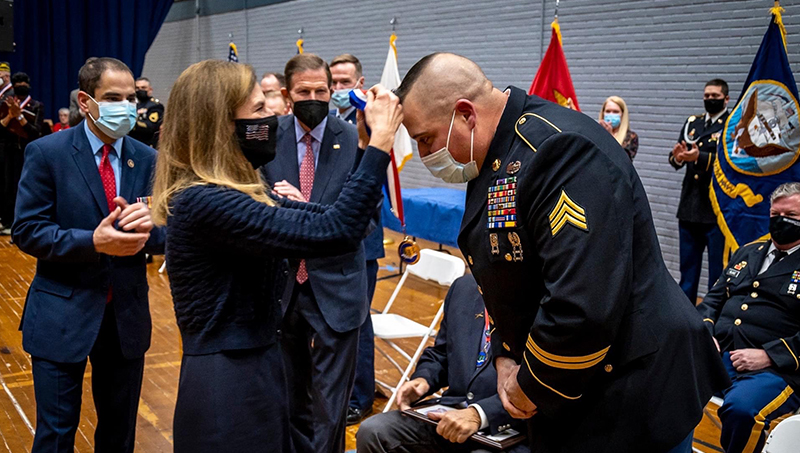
(325, 301)
(79, 213)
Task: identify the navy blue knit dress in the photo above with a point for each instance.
(226, 262)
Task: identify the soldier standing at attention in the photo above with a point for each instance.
(696, 150)
(594, 341)
(150, 114)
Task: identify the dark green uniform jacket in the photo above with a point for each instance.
(559, 235)
(746, 310)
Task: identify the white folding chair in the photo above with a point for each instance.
(785, 438)
(432, 266)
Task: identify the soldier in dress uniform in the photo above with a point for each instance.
(696, 150)
(594, 341)
(150, 114)
(752, 311)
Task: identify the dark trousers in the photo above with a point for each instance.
(393, 432)
(320, 368)
(694, 239)
(364, 388)
(232, 401)
(12, 171)
(116, 385)
(751, 403)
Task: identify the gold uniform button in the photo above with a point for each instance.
(608, 368)
(754, 294)
(755, 284)
(496, 165)
(480, 290)
(737, 322)
(469, 258)
(696, 176)
(729, 279)
(506, 347)
(700, 144)
(508, 257)
(745, 307)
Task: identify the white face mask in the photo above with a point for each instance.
(442, 164)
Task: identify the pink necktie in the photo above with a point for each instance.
(110, 187)
(306, 184)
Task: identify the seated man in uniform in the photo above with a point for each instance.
(464, 363)
(752, 313)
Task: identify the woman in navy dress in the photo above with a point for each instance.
(227, 244)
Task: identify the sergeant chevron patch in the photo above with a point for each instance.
(567, 211)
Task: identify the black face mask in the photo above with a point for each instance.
(257, 139)
(141, 96)
(22, 91)
(714, 106)
(310, 112)
(784, 230)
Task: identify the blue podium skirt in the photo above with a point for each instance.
(232, 401)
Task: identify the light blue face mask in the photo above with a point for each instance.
(341, 98)
(614, 119)
(116, 118)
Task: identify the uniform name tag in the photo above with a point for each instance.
(732, 273)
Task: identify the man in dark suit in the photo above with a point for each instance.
(696, 150)
(752, 313)
(326, 298)
(347, 76)
(22, 123)
(460, 359)
(594, 342)
(76, 214)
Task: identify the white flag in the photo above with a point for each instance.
(391, 80)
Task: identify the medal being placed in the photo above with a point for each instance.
(408, 251)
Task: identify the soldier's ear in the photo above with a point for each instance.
(465, 108)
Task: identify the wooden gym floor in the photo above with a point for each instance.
(418, 300)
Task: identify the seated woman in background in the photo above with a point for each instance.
(228, 240)
(615, 118)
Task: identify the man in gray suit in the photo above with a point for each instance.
(326, 298)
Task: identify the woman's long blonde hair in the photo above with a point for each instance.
(198, 145)
(624, 123)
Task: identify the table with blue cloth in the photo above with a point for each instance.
(433, 214)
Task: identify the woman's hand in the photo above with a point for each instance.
(384, 115)
(607, 127)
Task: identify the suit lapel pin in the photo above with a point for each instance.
(130, 163)
(478, 315)
(336, 146)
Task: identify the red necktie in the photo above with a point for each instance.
(110, 187)
(306, 184)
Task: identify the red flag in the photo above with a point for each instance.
(552, 81)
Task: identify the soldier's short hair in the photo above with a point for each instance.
(348, 58)
(718, 83)
(91, 72)
(305, 62)
(786, 189)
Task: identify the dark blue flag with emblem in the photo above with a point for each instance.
(759, 146)
(233, 54)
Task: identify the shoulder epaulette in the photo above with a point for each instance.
(534, 129)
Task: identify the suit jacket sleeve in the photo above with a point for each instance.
(432, 365)
(34, 230)
(586, 292)
(495, 413)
